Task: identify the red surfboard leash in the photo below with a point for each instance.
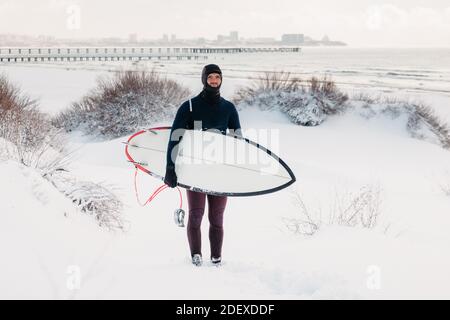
(155, 193)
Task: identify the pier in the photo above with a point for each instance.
(126, 53)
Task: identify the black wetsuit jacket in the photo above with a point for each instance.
(214, 113)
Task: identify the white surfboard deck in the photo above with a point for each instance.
(211, 162)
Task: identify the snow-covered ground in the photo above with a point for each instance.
(50, 250)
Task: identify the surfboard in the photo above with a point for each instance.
(211, 162)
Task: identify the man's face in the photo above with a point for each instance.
(214, 80)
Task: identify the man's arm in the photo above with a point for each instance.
(234, 123)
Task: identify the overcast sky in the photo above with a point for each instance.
(357, 22)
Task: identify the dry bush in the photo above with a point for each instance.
(357, 209)
(34, 142)
(308, 223)
(268, 82)
(12, 99)
(360, 209)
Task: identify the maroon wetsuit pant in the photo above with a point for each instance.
(216, 208)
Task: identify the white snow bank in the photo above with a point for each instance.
(309, 109)
(406, 256)
(41, 237)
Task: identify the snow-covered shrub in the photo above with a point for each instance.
(421, 121)
(28, 137)
(15, 106)
(351, 209)
(91, 198)
(122, 104)
(34, 141)
(307, 103)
